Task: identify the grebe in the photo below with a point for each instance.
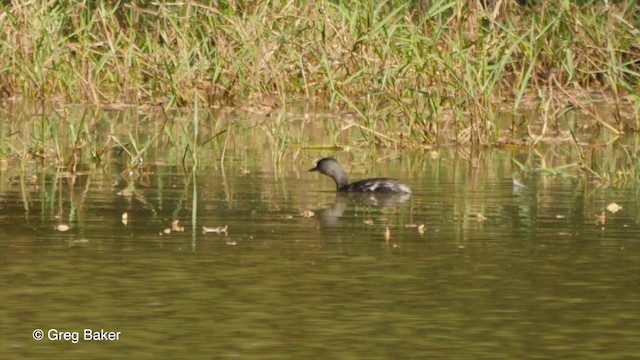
(331, 168)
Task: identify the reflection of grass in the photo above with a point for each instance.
(446, 174)
(77, 139)
(446, 66)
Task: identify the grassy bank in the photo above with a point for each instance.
(437, 65)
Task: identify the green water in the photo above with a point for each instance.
(537, 279)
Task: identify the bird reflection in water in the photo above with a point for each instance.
(329, 217)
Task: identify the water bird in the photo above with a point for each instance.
(331, 168)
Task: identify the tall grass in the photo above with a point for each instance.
(435, 65)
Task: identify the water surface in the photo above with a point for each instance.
(499, 271)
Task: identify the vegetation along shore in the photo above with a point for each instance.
(432, 65)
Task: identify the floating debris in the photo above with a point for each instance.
(308, 213)
(166, 231)
(368, 222)
(614, 208)
(517, 184)
(175, 226)
(387, 234)
(560, 216)
(244, 171)
(125, 218)
(78, 242)
(480, 217)
(127, 192)
(601, 219)
(62, 227)
(232, 243)
(421, 229)
(217, 230)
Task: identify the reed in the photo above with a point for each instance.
(428, 66)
